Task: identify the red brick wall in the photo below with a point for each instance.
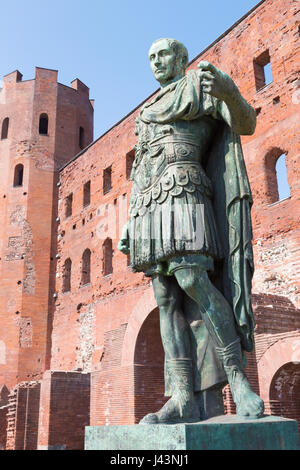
(112, 397)
(273, 26)
(64, 410)
(23, 416)
(141, 387)
(28, 229)
(149, 368)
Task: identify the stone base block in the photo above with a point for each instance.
(220, 433)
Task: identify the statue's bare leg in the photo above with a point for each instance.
(219, 320)
(174, 327)
(182, 406)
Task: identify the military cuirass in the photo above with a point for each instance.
(168, 161)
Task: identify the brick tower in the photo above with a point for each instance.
(43, 124)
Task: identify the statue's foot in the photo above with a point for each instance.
(174, 412)
(248, 404)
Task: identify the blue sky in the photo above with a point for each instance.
(105, 43)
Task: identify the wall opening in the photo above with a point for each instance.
(67, 275)
(4, 130)
(18, 175)
(282, 179)
(86, 194)
(107, 180)
(68, 205)
(285, 392)
(43, 125)
(276, 175)
(81, 138)
(130, 156)
(107, 257)
(262, 70)
(86, 267)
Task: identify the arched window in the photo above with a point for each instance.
(282, 179)
(276, 172)
(107, 257)
(18, 175)
(81, 138)
(86, 267)
(262, 70)
(67, 276)
(5, 126)
(43, 125)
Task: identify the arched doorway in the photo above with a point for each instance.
(285, 392)
(149, 368)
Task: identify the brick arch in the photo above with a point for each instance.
(285, 392)
(146, 304)
(261, 157)
(282, 352)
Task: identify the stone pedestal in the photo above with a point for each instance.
(220, 433)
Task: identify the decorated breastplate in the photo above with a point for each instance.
(168, 162)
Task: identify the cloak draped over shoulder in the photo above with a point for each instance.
(188, 102)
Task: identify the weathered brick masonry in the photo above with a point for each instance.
(99, 342)
(40, 122)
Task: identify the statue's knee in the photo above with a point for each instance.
(191, 280)
(165, 302)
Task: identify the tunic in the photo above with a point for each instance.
(175, 209)
(170, 210)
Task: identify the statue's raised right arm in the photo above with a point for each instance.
(234, 109)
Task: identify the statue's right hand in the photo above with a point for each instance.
(123, 244)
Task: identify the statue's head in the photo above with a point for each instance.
(168, 60)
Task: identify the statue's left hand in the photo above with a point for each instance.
(123, 244)
(215, 82)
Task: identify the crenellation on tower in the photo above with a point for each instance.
(42, 73)
(12, 77)
(78, 85)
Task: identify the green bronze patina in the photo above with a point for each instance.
(220, 433)
(190, 229)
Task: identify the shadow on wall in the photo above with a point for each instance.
(285, 392)
(149, 368)
(274, 314)
(277, 342)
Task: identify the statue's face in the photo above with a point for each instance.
(164, 63)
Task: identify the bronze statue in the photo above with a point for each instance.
(190, 230)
